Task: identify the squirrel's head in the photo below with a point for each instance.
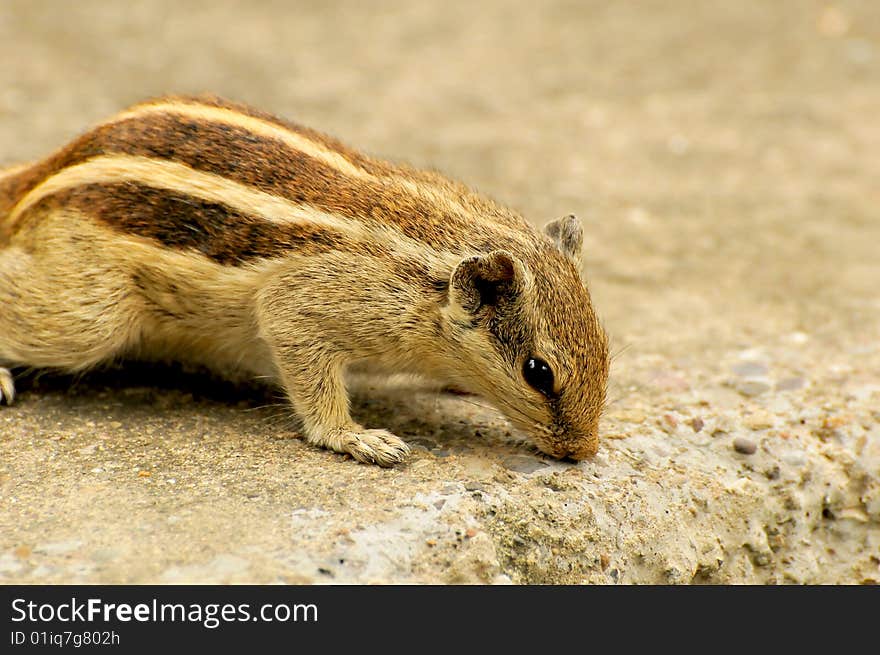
(528, 340)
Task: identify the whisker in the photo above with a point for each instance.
(510, 411)
(266, 406)
(279, 421)
(610, 403)
(620, 351)
(475, 403)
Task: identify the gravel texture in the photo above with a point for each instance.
(723, 157)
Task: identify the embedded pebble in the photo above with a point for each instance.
(790, 384)
(759, 420)
(750, 369)
(631, 416)
(853, 514)
(745, 446)
(523, 464)
(794, 458)
(752, 388)
(697, 424)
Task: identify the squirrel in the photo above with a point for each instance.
(199, 230)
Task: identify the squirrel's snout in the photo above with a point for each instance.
(576, 454)
(585, 452)
(582, 449)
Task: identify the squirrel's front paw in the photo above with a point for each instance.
(369, 446)
(376, 447)
(7, 387)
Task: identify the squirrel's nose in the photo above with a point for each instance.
(584, 449)
(582, 453)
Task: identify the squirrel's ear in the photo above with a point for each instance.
(483, 280)
(568, 235)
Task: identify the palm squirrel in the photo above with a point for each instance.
(195, 229)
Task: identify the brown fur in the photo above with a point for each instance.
(193, 228)
(178, 221)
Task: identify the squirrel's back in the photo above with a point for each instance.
(238, 184)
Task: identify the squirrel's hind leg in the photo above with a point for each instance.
(60, 306)
(7, 386)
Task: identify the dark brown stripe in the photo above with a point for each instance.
(274, 167)
(372, 166)
(377, 167)
(183, 222)
(218, 232)
(14, 186)
(222, 148)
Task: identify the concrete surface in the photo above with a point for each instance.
(724, 158)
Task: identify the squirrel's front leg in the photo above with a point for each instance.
(311, 370)
(315, 385)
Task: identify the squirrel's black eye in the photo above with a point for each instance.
(539, 375)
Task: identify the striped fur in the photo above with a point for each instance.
(287, 254)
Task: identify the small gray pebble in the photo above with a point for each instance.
(523, 464)
(745, 446)
(794, 458)
(474, 486)
(750, 369)
(752, 388)
(790, 384)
